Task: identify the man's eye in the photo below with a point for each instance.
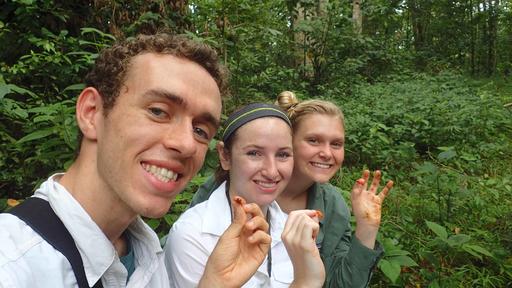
(201, 133)
(157, 112)
(337, 145)
(312, 140)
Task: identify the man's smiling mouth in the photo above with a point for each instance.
(161, 173)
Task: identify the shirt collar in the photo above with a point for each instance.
(95, 248)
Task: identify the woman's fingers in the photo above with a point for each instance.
(375, 182)
(295, 225)
(366, 177)
(385, 191)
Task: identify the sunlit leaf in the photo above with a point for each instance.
(12, 202)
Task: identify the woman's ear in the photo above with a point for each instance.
(88, 110)
(225, 161)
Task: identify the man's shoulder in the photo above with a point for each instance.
(16, 238)
(19, 247)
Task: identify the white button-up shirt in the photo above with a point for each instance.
(27, 260)
(194, 236)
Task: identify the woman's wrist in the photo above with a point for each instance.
(367, 236)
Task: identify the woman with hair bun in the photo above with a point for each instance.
(318, 143)
(318, 149)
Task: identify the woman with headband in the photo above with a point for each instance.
(256, 164)
(318, 143)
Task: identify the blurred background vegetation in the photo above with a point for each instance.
(425, 87)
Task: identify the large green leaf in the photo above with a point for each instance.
(437, 229)
(457, 240)
(390, 269)
(36, 135)
(403, 261)
(4, 90)
(477, 248)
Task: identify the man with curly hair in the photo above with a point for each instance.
(150, 107)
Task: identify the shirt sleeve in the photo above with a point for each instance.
(348, 263)
(204, 191)
(185, 254)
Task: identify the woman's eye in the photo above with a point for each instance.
(337, 145)
(253, 153)
(312, 141)
(283, 155)
(201, 133)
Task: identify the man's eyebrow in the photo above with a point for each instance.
(179, 101)
(159, 93)
(209, 118)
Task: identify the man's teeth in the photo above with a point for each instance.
(266, 184)
(321, 165)
(162, 174)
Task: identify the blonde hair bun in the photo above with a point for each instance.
(286, 100)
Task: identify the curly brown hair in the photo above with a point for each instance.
(111, 67)
(109, 71)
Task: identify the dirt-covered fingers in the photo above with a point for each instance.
(385, 191)
(376, 181)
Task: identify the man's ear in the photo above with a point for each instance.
(89, 107)
(225, 161)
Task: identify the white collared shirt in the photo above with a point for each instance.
(27, 260)
(193, 237)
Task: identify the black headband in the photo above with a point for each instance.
(251, 112)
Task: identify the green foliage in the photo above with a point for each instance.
(445, 138)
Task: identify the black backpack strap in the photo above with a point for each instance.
(39, 215)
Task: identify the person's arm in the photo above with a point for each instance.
(299, 237)
(240, 250)
(349, 262)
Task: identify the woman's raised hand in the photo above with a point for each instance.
(367, 205)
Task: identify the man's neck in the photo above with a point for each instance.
(103, 206)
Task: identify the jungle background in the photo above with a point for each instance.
(425, 87)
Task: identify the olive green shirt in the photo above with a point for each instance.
(348, 263)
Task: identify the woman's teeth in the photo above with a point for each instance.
(321, 165)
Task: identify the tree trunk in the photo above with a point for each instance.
(472, 40)
(492, 33)
(356, 17)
